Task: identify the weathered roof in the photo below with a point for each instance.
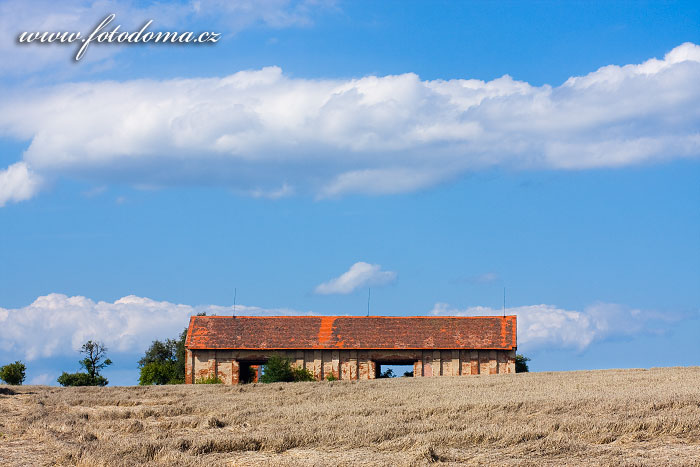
(351, 332)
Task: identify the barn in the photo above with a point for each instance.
(350, 347)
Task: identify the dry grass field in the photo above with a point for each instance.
(614, 417)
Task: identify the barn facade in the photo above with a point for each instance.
(350, 347)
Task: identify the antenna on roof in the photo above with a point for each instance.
(234, 301)
(504, 302)
(369, 294)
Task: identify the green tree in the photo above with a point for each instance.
(159, 373)
(95, 361)
(13, 373)
(181, 352)
(160, 364)
(164, 361)
(521, 364)
(279, 369)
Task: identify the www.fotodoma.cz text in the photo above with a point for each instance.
(100, 35)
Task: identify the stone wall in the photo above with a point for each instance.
(351, 364)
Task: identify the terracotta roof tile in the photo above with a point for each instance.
(351, 332)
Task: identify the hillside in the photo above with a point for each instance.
(611, 417)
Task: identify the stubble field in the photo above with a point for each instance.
(611, 417)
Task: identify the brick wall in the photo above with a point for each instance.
(352, 364)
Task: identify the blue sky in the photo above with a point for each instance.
(319, 149)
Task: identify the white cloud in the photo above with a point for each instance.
(18, 183)
(257, 131)
(43, 378)
(282, 192)
(547, 325)
(360, 274)
(56, 324)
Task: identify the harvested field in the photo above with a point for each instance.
(611, 417)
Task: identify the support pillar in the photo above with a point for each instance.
(235, 372)
(510, 356)
(363, 363)
(212, 364)
(354, 366)
(493, 362)
(335, 365)
(327, 359)
(502, 362)
(484, 362)
(189, 367)
(437, 363)
(372, 369)
(466, 362)
(474, 357)
(299, 362)
(456, 370)
(318, 365)
(428, 363)
(418, 369)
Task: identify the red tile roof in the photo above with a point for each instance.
(351, 332)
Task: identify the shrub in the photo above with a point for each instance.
(280, 370)
(277, 370)
(408, 374)
(331, 377)
(160, 373)
(81, 379)
(521, 364)
(389, 373)
(211, 379)
(302, 374)
(13, 373)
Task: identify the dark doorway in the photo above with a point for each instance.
(251, 371)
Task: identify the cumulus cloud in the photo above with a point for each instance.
(56, 324)
(548, 325)
(360, 274)
(257, 131)
(18, 183)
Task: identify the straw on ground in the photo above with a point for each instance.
(613, 417)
